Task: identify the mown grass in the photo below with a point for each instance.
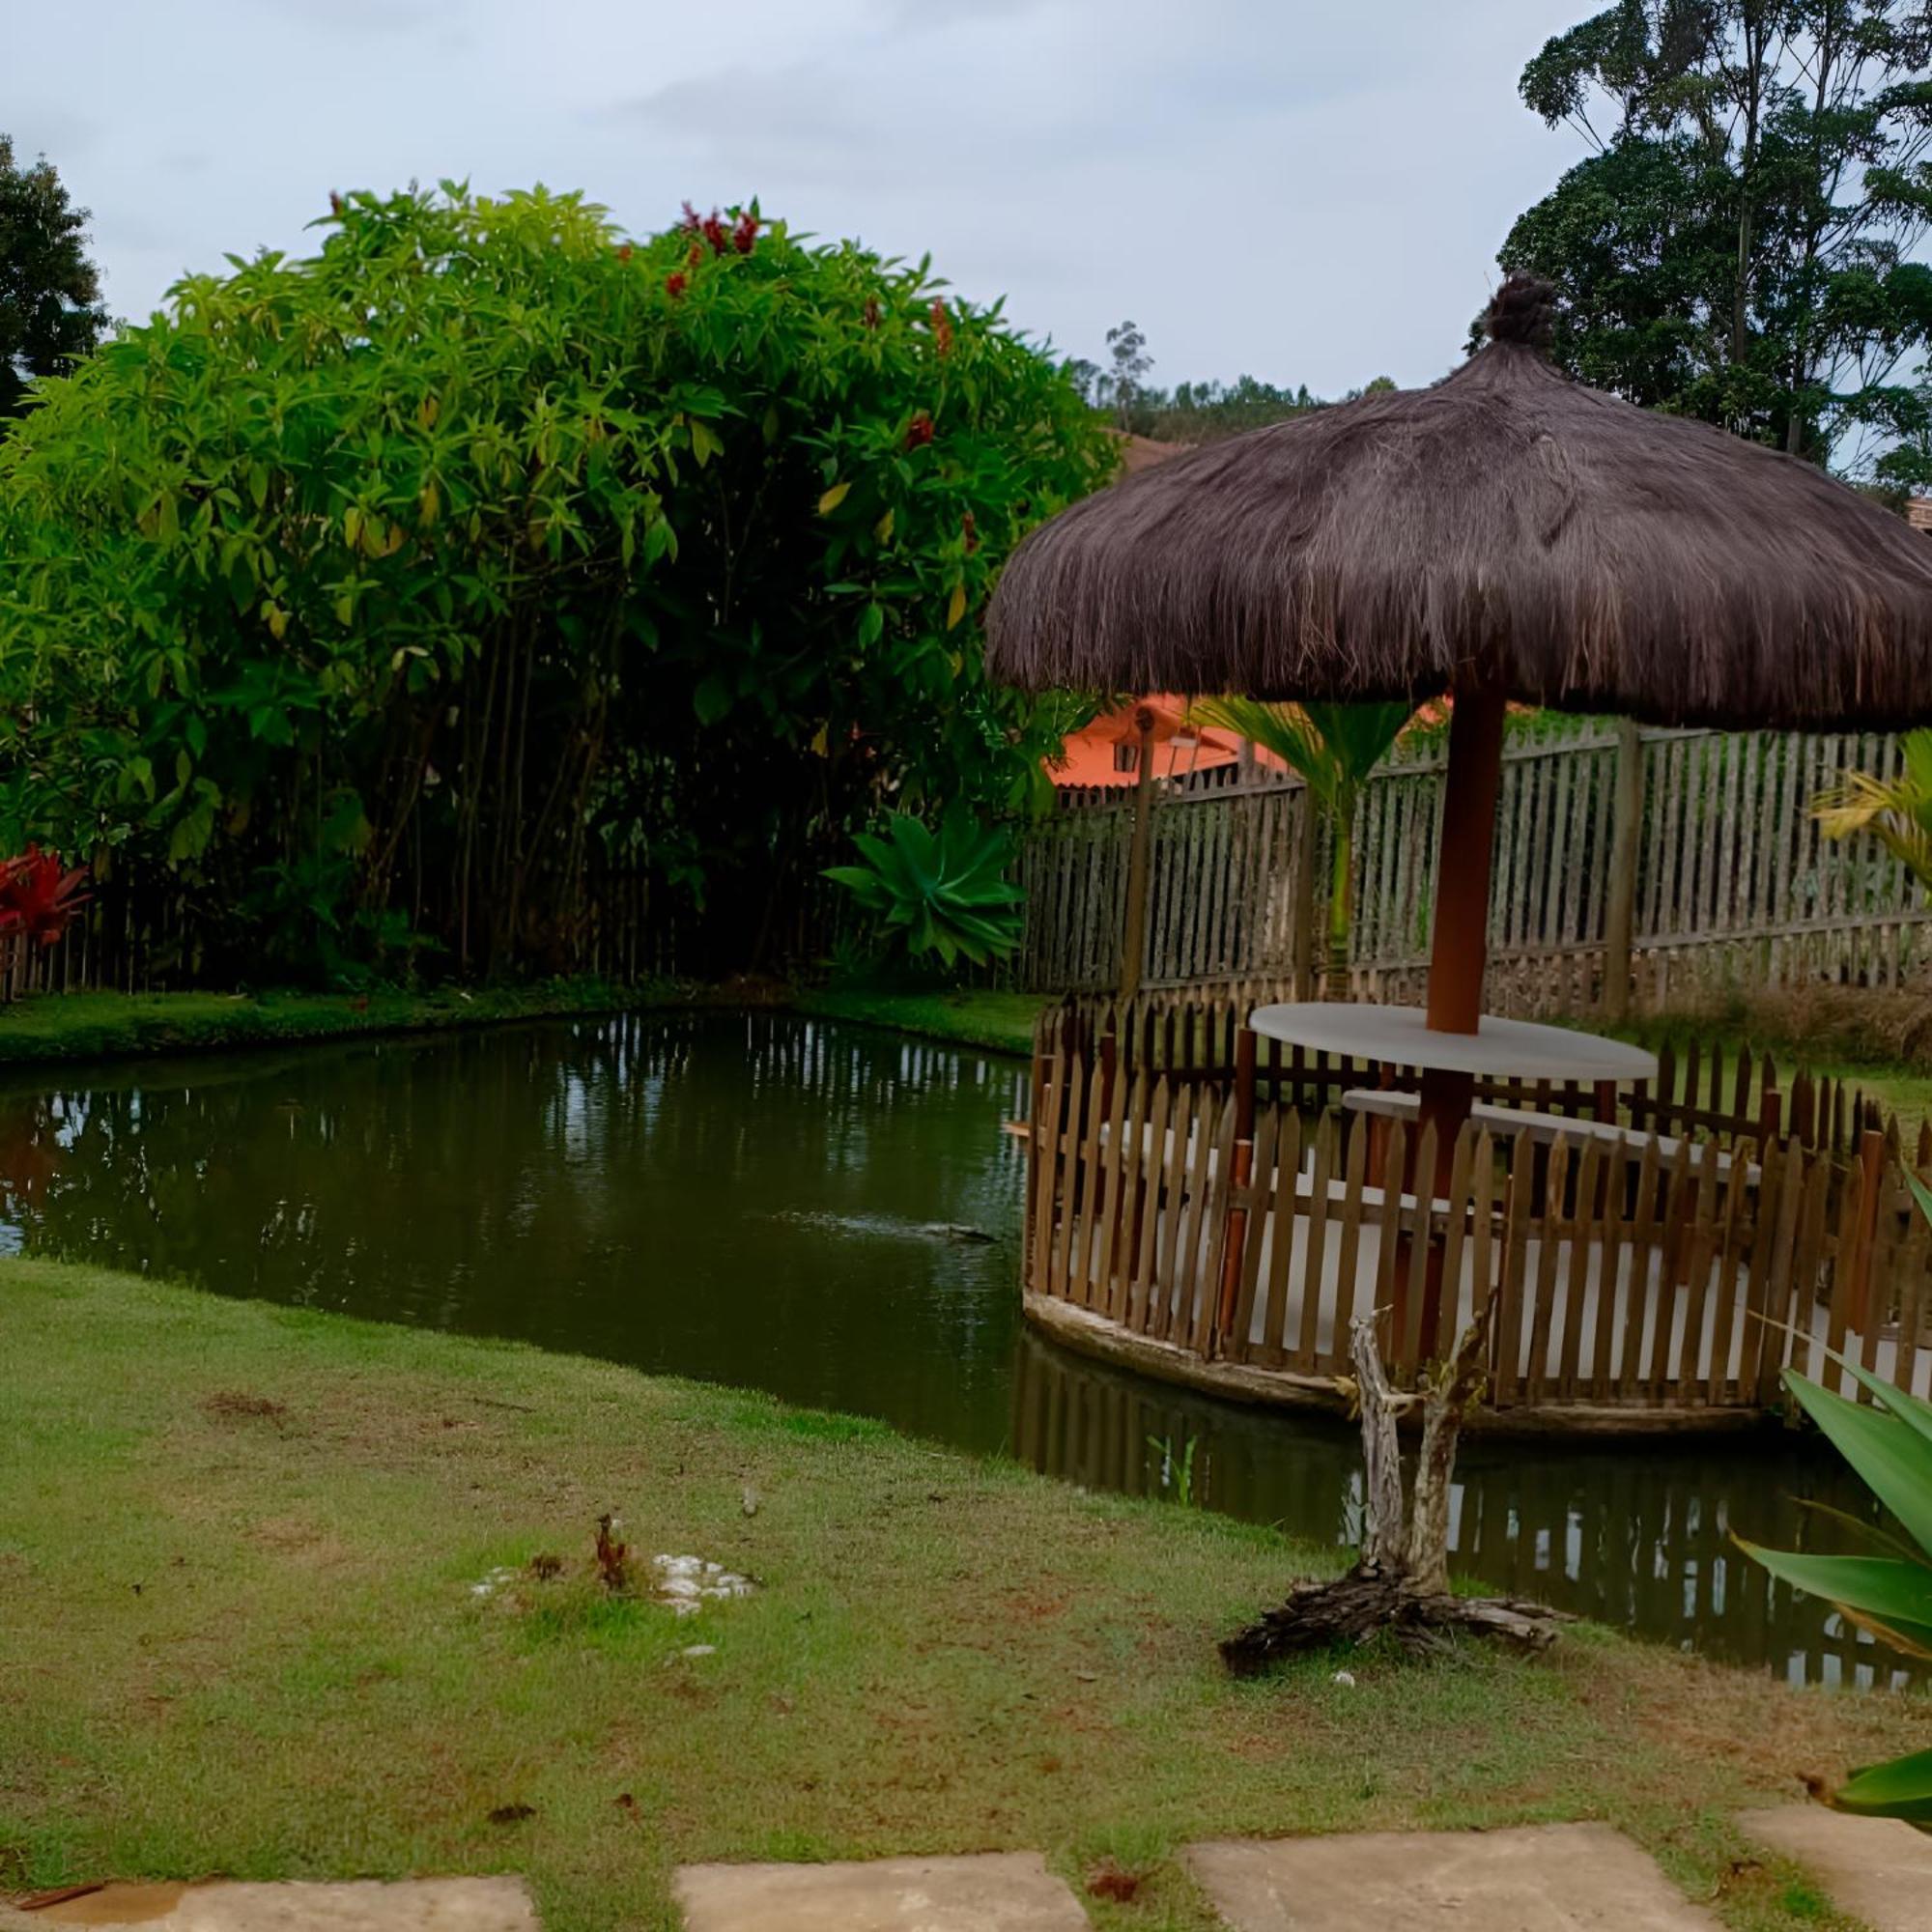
(85, 1026)
(238, 1635)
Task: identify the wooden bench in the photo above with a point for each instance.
(1385, 1103)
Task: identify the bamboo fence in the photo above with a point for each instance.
(1688, 858)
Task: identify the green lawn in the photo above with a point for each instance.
(238, 1633)
(80, 1026)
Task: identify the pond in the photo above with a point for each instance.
(831, 1214)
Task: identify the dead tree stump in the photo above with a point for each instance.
(1401, 1580)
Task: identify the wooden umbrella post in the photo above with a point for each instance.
(1459, 947)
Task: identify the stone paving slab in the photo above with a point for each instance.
(416, 1905)
(1878, 1869)
(995, 1892)
(1542, 1878)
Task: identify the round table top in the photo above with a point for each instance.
(1400, 1036)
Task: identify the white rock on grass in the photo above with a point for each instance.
(687, 1583)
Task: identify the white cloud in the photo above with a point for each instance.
(1308, 192)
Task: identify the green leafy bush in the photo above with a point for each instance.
(942, 893)
(382, 599)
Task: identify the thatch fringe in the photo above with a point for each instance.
(1509, 522)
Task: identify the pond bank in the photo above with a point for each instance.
(239, 1606)
(996, 1022)
(52, 1027)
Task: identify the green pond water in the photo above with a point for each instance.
(777, 1202)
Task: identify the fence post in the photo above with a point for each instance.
(1133, 940)
(1864, 1234)
(1307, 856)
(1626, 829)
(1239, 1177)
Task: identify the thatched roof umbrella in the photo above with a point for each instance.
(1507, 535)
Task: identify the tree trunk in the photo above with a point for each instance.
(1456, 1391)
(1398, 1584)
(1381, 1454)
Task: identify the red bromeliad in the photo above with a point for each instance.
(39, 900)
(919, 432)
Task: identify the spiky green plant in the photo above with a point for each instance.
(1334, 747)
(1887, 1591)
(1897, 812)
(941, 893)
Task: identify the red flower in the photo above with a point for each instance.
(970, 530)
(712, 228)
(745, 234)
(39, 900)
(693, 255)
(919, 432)
(624, 252)
(675, 285)
(942, 328)
(871, 311)
(687, 223)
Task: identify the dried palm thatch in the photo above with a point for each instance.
(1507, 524)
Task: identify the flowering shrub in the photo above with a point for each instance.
(378, 599)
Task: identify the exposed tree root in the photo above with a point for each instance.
(1401, 1584)
(1351, 1608)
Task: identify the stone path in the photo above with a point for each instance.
(1878, 1869)
(995, 1892)
(1545, 1878)
(421, 1905)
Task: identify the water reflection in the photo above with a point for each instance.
(745, 1200)
(753, 1200)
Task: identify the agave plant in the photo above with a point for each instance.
(1334, 746)
(1888, 1590)
(1897, 812)
(941, 893)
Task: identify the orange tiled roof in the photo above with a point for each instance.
(1092, 756)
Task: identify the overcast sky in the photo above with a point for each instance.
(1307, 190)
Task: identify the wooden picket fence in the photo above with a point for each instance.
(1181, 1218)
(1701, 1088)
(1728, 881)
